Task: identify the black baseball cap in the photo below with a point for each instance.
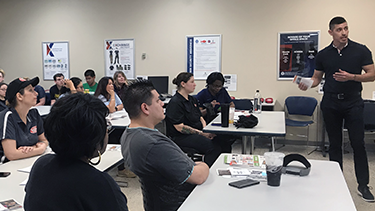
(17, 84)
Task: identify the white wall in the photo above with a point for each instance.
(249, 31)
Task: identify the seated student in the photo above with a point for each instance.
(121, 84)
(185, 122)
(106, 93)
(2, 75)
(77, 130)
(3, 91)
(215, 93)
(167, 175)
(74, 85)
(41, 99)
(57, 89)
(22, 133)
(91, 85)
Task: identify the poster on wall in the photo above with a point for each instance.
(203, 55)
(297, 51)
(119, 55)
(55, 59)
(230, 82)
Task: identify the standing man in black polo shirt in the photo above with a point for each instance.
(342, 63)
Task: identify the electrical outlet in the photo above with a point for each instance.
(143, 56)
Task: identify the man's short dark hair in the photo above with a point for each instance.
(76, 126)
(89, 72)
(76, 81)
(57, 75)
(138, 92)
(214, 77)
(335, 21)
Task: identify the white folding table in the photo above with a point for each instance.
(270, 123)
(323, 189)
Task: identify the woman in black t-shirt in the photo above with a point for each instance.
(185, 121)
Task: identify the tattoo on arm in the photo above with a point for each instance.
(189, 130)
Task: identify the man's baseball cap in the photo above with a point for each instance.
(17, 84)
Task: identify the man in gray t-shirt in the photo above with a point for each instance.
(167, 175)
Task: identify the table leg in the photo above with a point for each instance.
(322, 145)
(244, 144)
(273, 143)
(252, 144)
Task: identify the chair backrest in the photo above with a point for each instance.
(300, 105)
(243, 104)
(48, 99)
(369, 114)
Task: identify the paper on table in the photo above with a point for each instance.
(27, 169)
(237, 114)
(113, 147)
(307, 81)
(10, 204)
(239, 171)
(117, 115)
(23, 183)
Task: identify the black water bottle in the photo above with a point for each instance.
(225, 115)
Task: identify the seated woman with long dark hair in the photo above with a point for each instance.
(105, 92)
(78, 131)
(120, 84)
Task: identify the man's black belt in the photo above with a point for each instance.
(342, 96)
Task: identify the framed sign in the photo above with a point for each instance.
(55, 59)
(119, 55)
(203, 55)
(297, 51)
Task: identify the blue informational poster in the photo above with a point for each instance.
(297, 51)
(203, 55)
(55, 59)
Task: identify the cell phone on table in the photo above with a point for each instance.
(4, 174)
(243, 183)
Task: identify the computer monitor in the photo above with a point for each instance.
(160, 83)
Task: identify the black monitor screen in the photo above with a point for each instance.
(160, 83)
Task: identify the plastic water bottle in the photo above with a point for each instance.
(257, 107)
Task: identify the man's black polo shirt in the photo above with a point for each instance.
(56, 92)
(351, 59)
(12, 127)
(180, 110)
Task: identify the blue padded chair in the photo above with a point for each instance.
(368, 115)
(243, 104)
(299, 112)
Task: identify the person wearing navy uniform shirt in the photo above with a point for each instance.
(22, 133)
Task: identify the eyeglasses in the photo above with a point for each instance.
(217, 86)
